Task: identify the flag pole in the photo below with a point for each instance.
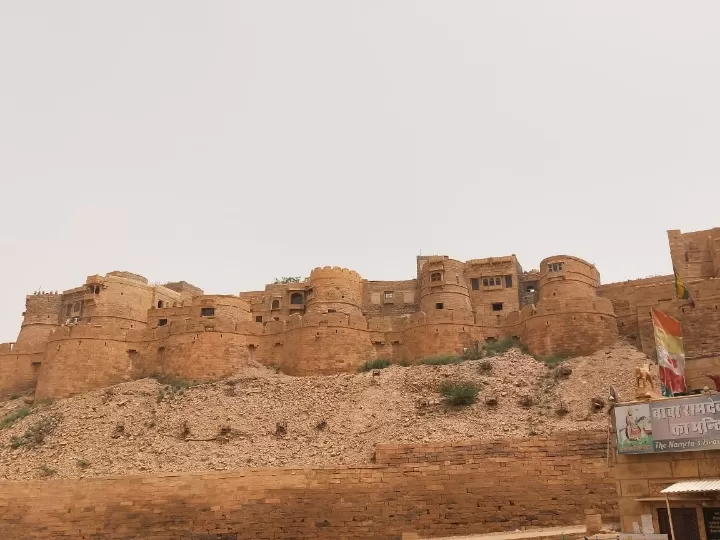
(672, 528)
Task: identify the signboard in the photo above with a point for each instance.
(671, 425)
(712, 523)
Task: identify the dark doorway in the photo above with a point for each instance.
(685, 523)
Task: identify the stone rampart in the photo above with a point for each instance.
(18, 372)
(437, 490)
(83, 358)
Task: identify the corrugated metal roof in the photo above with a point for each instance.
(693, 486)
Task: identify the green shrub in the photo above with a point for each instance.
(14, 396)
(441, 360)
(554, 359)
(459, 394)
(472, 353)
(501, 346)
(36, 433)
(173, 386)
(82, 463)
(14, 416)
(46, 471)
(44, 401)
(380, 363)
(404, 363)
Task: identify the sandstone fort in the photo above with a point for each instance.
(118, 327)
(96, 442)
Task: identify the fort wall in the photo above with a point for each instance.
(124, 327)
(564, 276)
(695, 254)
(83, 358)
(334, 290)
(436, 490)
(18, 372)
(390, 298)
(40, 319)
(443, 285)
(201, 354)
(124, 301)
(494, 287)
(574, 326)
(184, 289)
(317, 344)
(569, 317)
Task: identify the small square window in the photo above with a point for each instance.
(555, 267)
(388, 295)
(475, 284)
(530, 288)
(436, 276)
(207, 312)
(332, 311)
(258, 318)
(497, 306)
(162, 322)
(439, 305)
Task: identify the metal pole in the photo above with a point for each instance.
(672, 529)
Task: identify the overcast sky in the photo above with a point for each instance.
(227, 143)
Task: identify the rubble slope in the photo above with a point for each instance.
(266, 419)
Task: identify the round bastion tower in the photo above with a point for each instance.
(334, 289)
(41, 317)
(563, 276)
(569, 317)
(443, 285)
(120, 299)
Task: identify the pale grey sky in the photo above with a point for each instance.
(226, 143)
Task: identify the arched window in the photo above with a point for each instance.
(296, 298)
(486, 282)
(161, 304)
(436, 276)
(275, 304)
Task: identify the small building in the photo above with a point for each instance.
(666, 455)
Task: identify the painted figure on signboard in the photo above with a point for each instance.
(634, 429)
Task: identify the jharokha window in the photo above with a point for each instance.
(436, 276)
(555, 267)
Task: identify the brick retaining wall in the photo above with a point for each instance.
(436, 489)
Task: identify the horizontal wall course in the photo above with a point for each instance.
(437, 499)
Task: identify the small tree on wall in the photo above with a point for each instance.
(284, 280)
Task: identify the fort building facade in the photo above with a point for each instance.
(119, 327)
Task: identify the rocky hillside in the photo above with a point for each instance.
(265, 419)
